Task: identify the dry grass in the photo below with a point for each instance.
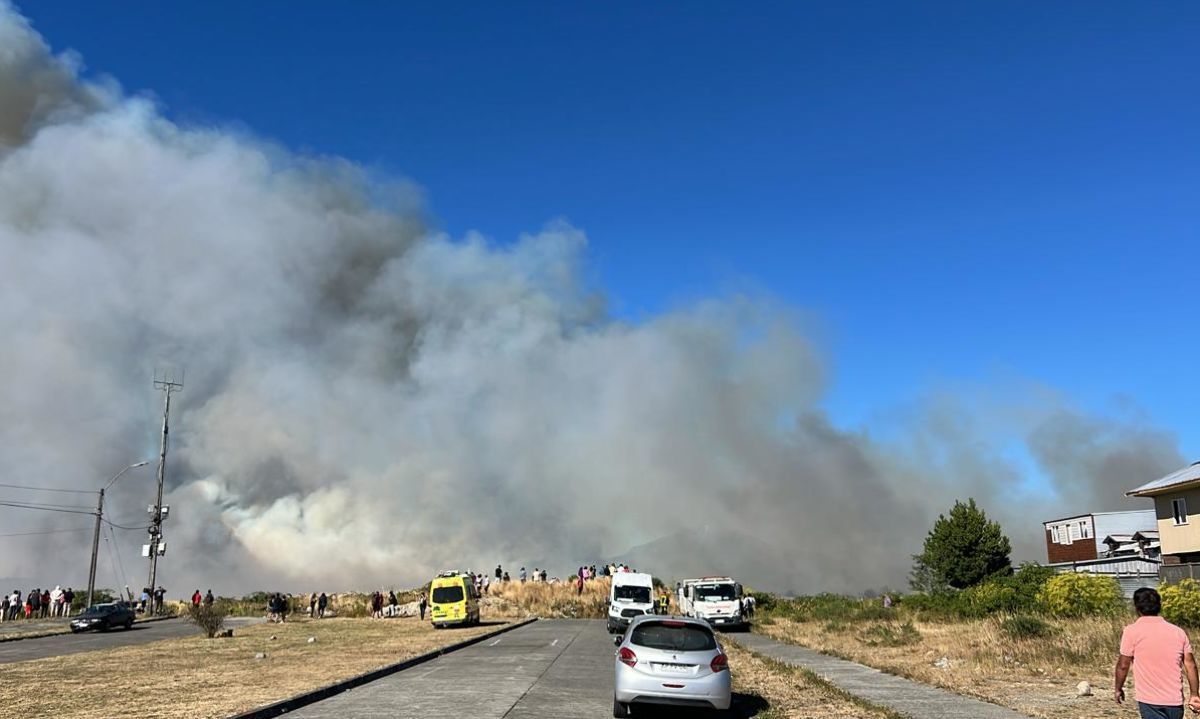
(783, 692)
(550, 600)
(197, 677)
(1034, 676)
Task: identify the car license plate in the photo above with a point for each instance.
(674, 668)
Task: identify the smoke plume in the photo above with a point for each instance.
(368, 401)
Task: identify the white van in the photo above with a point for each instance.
(631, 595)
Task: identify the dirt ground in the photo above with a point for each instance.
(198, 677)
(1038, 677)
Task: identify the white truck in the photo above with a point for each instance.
(716, 600)
(631, 595)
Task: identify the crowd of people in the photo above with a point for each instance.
(36, 604)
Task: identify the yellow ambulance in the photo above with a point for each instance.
(453, 600)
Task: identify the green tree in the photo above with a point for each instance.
(962, 550)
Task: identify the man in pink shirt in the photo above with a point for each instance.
(1157, 650)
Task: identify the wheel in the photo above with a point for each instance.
(620, 709)
(129, 625)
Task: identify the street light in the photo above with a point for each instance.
(96, 535)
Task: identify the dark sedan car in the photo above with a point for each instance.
(103, 617)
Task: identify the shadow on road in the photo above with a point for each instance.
(743, 707)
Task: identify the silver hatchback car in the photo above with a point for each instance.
(670, 660)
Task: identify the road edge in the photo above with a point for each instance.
(43, 635)
(302, 700)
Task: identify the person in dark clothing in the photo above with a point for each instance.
(208, 598)
(35, 602)
(392, 601)
(45, 603)
(322, 602)
(499, 573)
(424, 603)
(68, 598)
(159, 595)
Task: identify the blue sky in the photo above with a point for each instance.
(956, 192)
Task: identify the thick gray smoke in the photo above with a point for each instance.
(368, 401)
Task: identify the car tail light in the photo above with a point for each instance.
(720, 663)
(627, 657)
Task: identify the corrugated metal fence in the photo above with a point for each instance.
(1175, 573)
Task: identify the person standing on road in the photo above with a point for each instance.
(1157, 650)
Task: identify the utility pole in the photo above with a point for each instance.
(168, 385)
(96, 536)
(95, 549)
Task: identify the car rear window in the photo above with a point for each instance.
(447, 595)
(673, 636)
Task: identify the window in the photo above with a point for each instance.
(628, 592)
(1085, 529)
(1179, 511)
(1073, 528)
(1054, 534)
(447, 595)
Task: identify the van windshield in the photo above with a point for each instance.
(715, 592)
(673, 637)
(447, 595)
(631, 593)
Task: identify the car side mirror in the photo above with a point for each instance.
(617, 640)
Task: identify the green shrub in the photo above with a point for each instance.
(1081, 595)
(1023, 626)
(890, 635)
(1181, 603)
(763, 601)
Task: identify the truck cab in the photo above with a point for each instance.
(716, 600)
(631, 595)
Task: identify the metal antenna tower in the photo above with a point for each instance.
(168, 383)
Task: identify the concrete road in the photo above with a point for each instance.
(141, 633)
(551, 669)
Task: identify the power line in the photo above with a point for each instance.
(50, 505)
(44, 509)
(46, 531)
(120, 562)
(112, 565)
(118, 526)
(47, 489)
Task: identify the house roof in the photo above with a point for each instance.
(1118, 539)
(1097, 514)
(1178, 478)
(1146, 534)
